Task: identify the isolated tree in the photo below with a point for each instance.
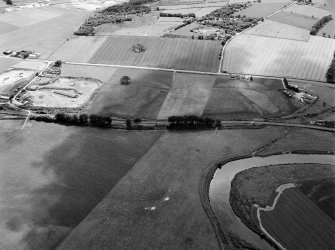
(9, 2)
(125, 80)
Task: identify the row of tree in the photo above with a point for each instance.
(319, 24)
(84, 119)
(192, 122)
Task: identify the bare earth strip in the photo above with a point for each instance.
(118, 50)
(293, 212)
(250, 54)
(188, 95)
(79, 49)
(279, 30)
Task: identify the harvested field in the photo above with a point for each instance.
(67, 169)
(279, 57)
(97, 72)
(78, 49)
(274, 29)
(29, 16)
(142, 98)
(306, 10)
(7, 27)
(297, 223)
(300, 21)
(261, 9)
(14, 78)
(329, 29)
(30, 65)
(61, 93)
(44, 36)
(175, 53)
(188, 95)
(137, 209)
(233, 99)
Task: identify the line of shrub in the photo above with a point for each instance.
(319, 24)
(192, 122)
(330, 75)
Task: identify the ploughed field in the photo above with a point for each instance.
(168, 53)
(268, 56)
(297, 223)
(156, 94)
(142, 98)
(52, 176)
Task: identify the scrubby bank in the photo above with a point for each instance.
(257, 186)
(320, 24)
(113, 14)
(330, 75)
(225, 19)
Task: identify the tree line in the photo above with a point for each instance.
(192, 122)
(319, 24)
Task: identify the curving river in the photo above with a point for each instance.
(221, 183)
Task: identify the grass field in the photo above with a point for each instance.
(329, 29)
(306, 10)
(59, 175)
(175, 53)
(279, 57)
(321, 192)
(42, 35)
(171, 169)
(297, 223)
(143, 98)
(232, 99)
(262, 9)
(188, 95)
(78, 49)
(97, 72)
(274, 29)
(304, 22)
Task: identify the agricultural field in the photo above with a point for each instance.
(67, 169)
(43, 34)
(61, 93)
(156, 27)
(198, 11)
(6, 63)
(274, 29)
(279, 57)
(261, 9)
(328, 30)
(306, 10)
(304, 22)
(78, 49)
(175, 53)
(97, 72)
(159, 197)
(142, 98)
(297, 223)
(29, 65)
(188, 95)
(233, 99)
(13, 79)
